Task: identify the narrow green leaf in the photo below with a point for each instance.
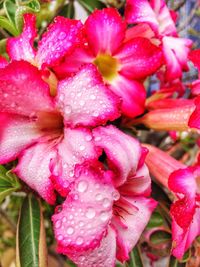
(155, 221)
(90, 5)
(3, 46)
(173, 262)
(8, 26)
(68, 11)
(159, 237)
(31, 245)
(135, 258)
(10, 9)
(32, 7)
(8, 183)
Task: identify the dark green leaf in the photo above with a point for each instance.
(159, 237)
(155, 221)
(68, 11)
(8, 183)
(8, 26)
(173, 262)
(31, 245)
(135, 258)
(10, 9)
(2, 46)
(90, 5)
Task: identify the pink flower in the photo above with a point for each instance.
(172, 115)
(156, 14)
(184, 183)
(107, 210)
(45, 132)
(123, 61)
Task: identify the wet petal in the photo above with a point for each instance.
(86, 212)
(134, 215)
(76, 147)
(139, 58)
(102, 256)
(85, 100)
(61, 38)
(16, 134)
(133, 95)
(21, 86)
(21, 47)
(119, 149)
(102, 27)
(33, 169)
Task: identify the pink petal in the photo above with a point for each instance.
(76, 147)
(85, 100)
(194, 121)
(119, 149)
(134, 220)
(140, 30)
(86, 212)
(73, 62)
(3, 62)
(102, 256)
(183, 238)
(138, 11)
(21, 86)
(132, 93)
(139, 58)
(21, 47)
(194, 56)
(102, 27)
(33, 169)
(16, 134)
(61, 38)
(176, 55)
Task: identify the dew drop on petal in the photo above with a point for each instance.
(70, 230)
(98, 197)
(68, 109)
(79, 240)
(82, 148)
(88, 138)
(60, 237)
(104, 216)
(106, 203)
(116, 195)
(82, 186)
(62, 35)
(58, 224)
(90, 213)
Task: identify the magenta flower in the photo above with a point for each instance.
(183, 181)
(123, 61)
(156, 14)
(106, 211)
(40, 130)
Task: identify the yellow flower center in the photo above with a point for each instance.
(107, 65)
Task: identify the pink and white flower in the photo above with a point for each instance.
(45, 132)
(106, 211)
(124, 61)
(156, 14)
(183, 181)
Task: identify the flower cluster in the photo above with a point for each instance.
(61, 103)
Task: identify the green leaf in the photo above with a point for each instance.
(173, 262)
(8, 26)
(10, 9)
(3, 46)
(155, 221)
(90, 5)
(31, 244)
(31, 7)
(68, 11)
(159, 237)
(8, 183)
(135, 258)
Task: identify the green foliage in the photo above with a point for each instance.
(8, 183)
(90, 5)
(135, 258)
(31, 245)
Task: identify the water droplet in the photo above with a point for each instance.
(70, 230)
(115, 195)
(82, 186)
(104, 216)
(62, 35)
(71, 174)
(60, 237)
(81, 223)
(98, 197)
(58, 224)
(82, 148)
(82, 103)
(90, 213)
(93, 97)
(79, 240)
(88, 138)
(68, 109)
(81, 258)
(106, 203)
